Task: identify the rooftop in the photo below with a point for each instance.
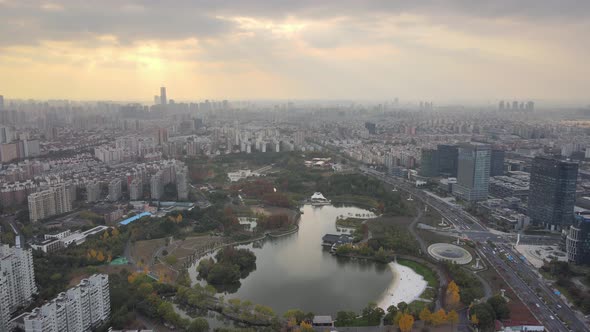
(134, 218)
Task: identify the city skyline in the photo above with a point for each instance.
(442, 51)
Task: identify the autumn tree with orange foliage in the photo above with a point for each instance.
(474, 320)
(453, 297)
(406, 322)
(305, 327)
(425, 315)
(453, 318)
(439, 317)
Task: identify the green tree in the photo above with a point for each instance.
(295, 314)
(346, 318)
(500, 307)
(373, 314)
(388, 319)
(484, 314)
(402, 306)
(198, 325)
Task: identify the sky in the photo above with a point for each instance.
(439, 50)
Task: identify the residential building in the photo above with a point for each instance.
(41, 205)
(135, 189)
(473, 174)
(50, 202)
(63, 202)
(182, 183)
(552, 193)
(8, 152)
(4, 304)
(17, 278)
(6, 134)
(161, 136)
(93, 191)
(115, 190)
(81, 308)
(156, 186)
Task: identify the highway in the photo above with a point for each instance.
(521, 276)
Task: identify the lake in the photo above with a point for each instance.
(295, 272)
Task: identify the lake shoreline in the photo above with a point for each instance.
(407, 286)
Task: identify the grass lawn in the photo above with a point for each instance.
(349, 222)
(432, 237)
(422, 270)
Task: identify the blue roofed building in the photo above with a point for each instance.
(134, 218)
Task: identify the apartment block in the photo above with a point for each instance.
(81, 308)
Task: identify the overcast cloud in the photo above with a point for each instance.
(434, 49)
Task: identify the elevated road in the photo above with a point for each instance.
(548, 308)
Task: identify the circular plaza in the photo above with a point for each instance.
(450, 253)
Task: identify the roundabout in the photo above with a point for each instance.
(450, 253)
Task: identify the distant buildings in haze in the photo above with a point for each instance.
(163, 98)
(529, 106)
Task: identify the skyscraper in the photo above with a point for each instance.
(447, 160)
(577, 242)
(473, 174)
(429, 163)
(552, 192)
(497, 162)
(1, 103)
(163, 99)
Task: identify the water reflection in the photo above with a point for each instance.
(295, 272)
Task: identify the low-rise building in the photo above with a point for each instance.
(55, 242)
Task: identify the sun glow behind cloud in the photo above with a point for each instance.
(62, 49)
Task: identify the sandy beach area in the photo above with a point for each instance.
(406, 286)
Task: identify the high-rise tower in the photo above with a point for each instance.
(552, 192)
(163, 99)
(473, 174)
